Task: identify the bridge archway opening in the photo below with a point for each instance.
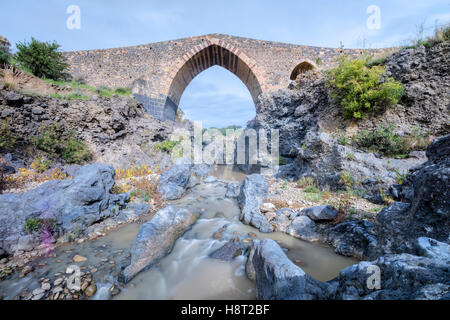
(225, 56)
(302, 67)
(217, 98)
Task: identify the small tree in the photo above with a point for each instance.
(42, 59)
(359, 89)
(5, 55)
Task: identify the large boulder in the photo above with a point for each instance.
(321, 213)
(278, 278)
(156, 239)
(304, 228)
(253, 192)
(390, 277)
(353, 238)
(173, 182)
(72, 204)
(425, 210)
(402, 276)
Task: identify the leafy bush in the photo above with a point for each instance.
(40, 164)
(5, 55)
(55, 142)
(359, 89)
(32, 224)
(383, 140)
(311, 189)
(42, 59)
(165, 146)
(7, 138)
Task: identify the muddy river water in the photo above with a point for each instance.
(187, 272)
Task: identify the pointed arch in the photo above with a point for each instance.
(212, 52)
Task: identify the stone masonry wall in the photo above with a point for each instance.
(159, 72)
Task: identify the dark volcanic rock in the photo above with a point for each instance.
(426, 210)
(72, 203)
(254, 190)
(278, 278)
(227, 252)
(353, 238)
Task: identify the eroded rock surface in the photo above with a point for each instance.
(156, 238)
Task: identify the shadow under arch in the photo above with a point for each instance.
(302, 67)
(213, 53)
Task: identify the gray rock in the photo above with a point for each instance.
(193, 181)
(233, 189)
(304, 228)
(431, 248)
(403, 276)
(173, 182)
(425, 211)
(321, 213)
(202, 170)
(210, 179)
(72, 203)
(27, 243)
(353, 238)
(156, 239)
(253, 191)
(278, 278)
(227, 252)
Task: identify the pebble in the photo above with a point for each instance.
(46, 286)
(58, 281)
(38, 291)
(78, 258)
(91, 290)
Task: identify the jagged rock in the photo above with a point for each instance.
(321, 213)
(353, 238)
(253, 191)
(156, 238)
(431, 248)
(303, 228)
(173, 182)
(233, 189)
(227, 252)
(403, 276)
(278, 278)
(426, 210)
(72, 203)
(201, 170)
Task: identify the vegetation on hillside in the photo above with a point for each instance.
(55, 142)
(5, 54)
(359, 89)
(386, 141)
(42, 59)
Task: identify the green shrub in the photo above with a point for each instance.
(281, 161)
(42, 59)
(359, 89)
(304, 182)
(74, 150)
(76, 96)
(311, 189)
(37, 225)
(5, 55)
(55, 142)
(165, 146)
(375, 62)
(32, 225)
(382, 140)
(7, 138)
(41, 164)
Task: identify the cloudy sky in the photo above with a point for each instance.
(216, 96)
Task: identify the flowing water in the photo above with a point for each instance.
(187, 272)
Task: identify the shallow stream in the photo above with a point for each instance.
(187, 272)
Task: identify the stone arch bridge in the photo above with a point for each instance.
(158, 73)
